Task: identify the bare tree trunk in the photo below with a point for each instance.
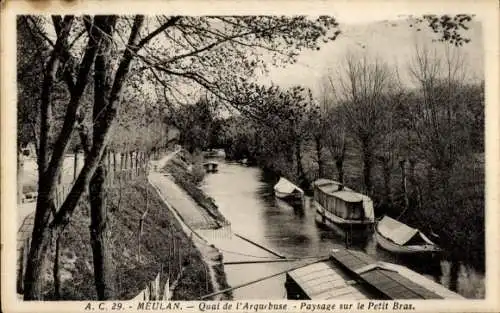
(33, 281)
(319, 147)
(402, 164)
(339, 164)
(298, 157)
(367, 168)
(57, 277)
(99, 233)
(454, 269)
(386, 169)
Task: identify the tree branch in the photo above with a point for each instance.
(38, 30)
(99, 143)
(45, 117)
(70, 117)
(160, 29)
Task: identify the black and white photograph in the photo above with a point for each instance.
(335, 155)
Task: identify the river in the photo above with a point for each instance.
(245, 197)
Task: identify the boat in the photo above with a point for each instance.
(354, 275)
(287, 191)
(342, 209)
(214, 153)
(211, 166)
(396, 237)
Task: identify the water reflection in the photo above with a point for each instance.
(245, 196)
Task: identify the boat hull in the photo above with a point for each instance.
(359, 229)
(393, 247)
(291, 198)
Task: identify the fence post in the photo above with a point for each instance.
(108, 167)
(136, 163)
(131, 164)
(56, 198)
(75, 164)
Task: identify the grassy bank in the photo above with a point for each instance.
(188, 172)
(164, 247)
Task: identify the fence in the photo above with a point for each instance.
(120, 166)
(154, 291)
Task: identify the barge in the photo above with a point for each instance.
(347, 212)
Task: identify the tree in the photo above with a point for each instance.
(31, 52)
(178, 50)
(439, 117)
(195, 123)
(363, 88)
(448, 27)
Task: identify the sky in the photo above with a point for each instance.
(392, 41)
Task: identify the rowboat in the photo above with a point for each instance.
(396, 237)
(287, 191)
(354, 275)
(342, 208)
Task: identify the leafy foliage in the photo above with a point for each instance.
(449, 27)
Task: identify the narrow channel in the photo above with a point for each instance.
(245, 197)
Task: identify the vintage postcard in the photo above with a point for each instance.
(250, 156)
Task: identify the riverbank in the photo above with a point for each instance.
(187, 171)
(195, 211)
(164, 248)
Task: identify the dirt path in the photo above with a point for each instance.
(191, 213)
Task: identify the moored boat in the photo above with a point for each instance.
(342, 209)
(396, 237)
(211, 167)
(354, 275)
(287, 191)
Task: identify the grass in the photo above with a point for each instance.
(164, 248)
(188, 171)
(188, 180)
